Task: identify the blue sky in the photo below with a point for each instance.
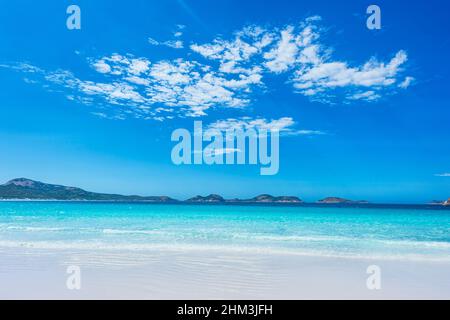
(363, 113)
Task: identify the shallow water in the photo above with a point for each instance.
(388, 232)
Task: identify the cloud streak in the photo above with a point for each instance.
(285, 126)
(442, 175)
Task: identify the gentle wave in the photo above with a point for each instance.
(140, 247)
(402, 243)
(35, 229)
(125, 231)
(429, 244)
(290, 238)
(245, 236)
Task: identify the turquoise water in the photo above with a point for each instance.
(421, 233)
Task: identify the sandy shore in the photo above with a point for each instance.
(41, 274)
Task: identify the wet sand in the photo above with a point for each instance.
(27, 273)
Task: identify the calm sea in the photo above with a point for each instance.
(390, 232)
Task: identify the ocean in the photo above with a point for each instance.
(363, 231)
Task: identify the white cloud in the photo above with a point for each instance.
(406, 83)
(186, 88)
(153, 42)
(23, 67)
(117, 93)
(137, 80)
(138, 66)
(442, 175)
(112, 92)
(229, 72)
(296, 50)
(117, 65)
(175, 44)
(284, 125)
(284, 55)
(101, 66)
(235, 55)
(218, 151)
(177, 72)
(195, 88)
(179, 31)
(100, 115)
(367, 95)
(308, 132)
(331, 75)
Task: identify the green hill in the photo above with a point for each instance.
(26, 189)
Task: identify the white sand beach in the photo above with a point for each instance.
(29, 273)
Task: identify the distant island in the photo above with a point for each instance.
(26, 189)
(440, 203)
(23, 189)
(264, 198)
(335, 200)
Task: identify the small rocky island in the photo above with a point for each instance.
(440, 203)
(212, 198)
(336, 200)
(264, 198)
(267, 198)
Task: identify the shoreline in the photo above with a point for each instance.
(238, 203)
(137, 249)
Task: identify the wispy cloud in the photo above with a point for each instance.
(175, 43)
(442, 175)
(407, 82)
(23, 67)
(228, 73)
(217, 151)
(285, 125)
(367, 95)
